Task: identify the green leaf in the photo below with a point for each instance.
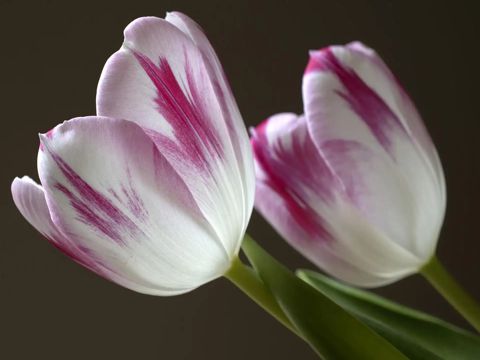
(331, 331)
(417, 334)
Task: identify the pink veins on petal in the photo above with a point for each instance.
(285, 162)
(93, 208)
(187, 114)
(49, 135)
(363, 100)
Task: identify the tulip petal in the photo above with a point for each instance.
(29, 197)
(379, 77)
(110, 190)
(372, 137)
(280, 144)
(167, 79)
(308, 203)
(223, 92)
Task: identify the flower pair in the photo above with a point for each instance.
(156, 191)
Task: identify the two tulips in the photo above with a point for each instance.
(156, 191)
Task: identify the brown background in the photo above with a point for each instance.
(52, 53)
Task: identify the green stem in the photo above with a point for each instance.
(448, 287)
(246, 280)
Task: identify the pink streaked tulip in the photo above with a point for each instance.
(154, 193)
(355, 184)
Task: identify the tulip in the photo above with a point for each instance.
(355, 184)
(154, 193)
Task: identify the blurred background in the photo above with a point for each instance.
(51, 58)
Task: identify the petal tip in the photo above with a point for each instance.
(24, 178)
(361, 47)
(21, 181)
(15, 184)
(43, 139)
(169, 14)
(138, 23)
(315, 62)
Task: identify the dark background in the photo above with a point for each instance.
(51, 56)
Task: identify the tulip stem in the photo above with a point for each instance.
(452, 291)
(245, 278)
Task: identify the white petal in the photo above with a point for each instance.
(231, 113)
(111, 191)
(29, 198)
(308, 204)
(161, 80)
(357, 117)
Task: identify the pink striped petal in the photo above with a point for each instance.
(281, 146)
(223, 92)
(379, 77)
(112, 193)
(358, 115)
(29, 197)
(167, 79)
(312, 208)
